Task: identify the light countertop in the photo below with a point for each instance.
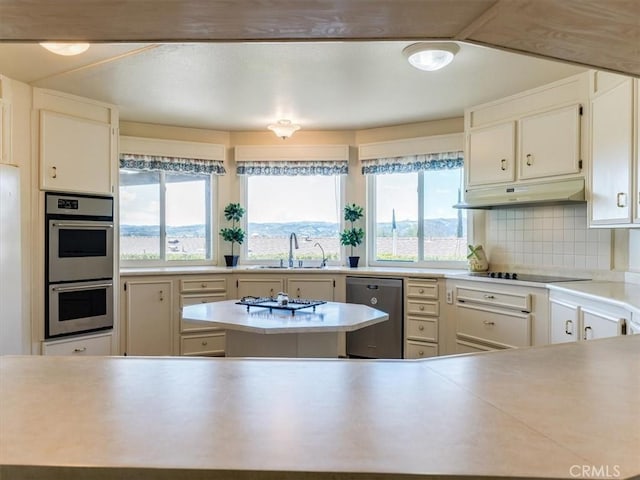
(328, 317)
(626, 295)
(536, 412)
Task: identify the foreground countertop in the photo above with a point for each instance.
(537, 412)
(328, 317)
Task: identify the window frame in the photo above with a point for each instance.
(371, 228)
(244, 250)
(163, 262)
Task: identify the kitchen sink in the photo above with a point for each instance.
(278, 267)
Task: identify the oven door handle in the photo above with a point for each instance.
(83, 225)
(79, 287)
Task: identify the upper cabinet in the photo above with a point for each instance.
(535, 135)
(78, 143)
(615, 196)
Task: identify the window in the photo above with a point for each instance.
(413, 216)
(307, 205)
(165, 210)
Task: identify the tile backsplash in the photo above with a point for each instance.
(550, 237)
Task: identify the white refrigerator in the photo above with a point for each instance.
(12, 329)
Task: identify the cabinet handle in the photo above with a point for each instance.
(204, 343)
(271, 292)
(421, 290)
(421, 327)
(587, 329)
(567, 324)
(487, 322)
(503, 164)
(489, 297)
(54, 172)
(79, 350)
(421, 307)
(421, 353)
(298, 292)
(529, 159)
(621, 199)
(203, 285)
(161, 295)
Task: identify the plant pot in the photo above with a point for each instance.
(353, 262)
(231, 260)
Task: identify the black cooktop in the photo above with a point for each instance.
(525, 277)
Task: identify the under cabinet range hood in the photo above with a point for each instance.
(553, 192)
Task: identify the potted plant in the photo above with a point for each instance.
(352, 236)
(234, 234)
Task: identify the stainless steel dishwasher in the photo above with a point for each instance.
(383, 340)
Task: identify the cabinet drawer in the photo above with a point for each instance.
(205, 345)
(423, 289)
(425, 329)
(186, 300)
(466, 347)
(503, 329)
(420, 350)
(98, 345)
(516, 301)
(422, 307)
(203, 285)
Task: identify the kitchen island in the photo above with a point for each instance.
(561, 411)
(311, 332)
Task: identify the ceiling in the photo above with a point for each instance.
(321, 63)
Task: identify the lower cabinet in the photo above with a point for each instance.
(149, 316)
(574, 318)
(422, 309)
(311, 288)
(98, 344)
(259, 287)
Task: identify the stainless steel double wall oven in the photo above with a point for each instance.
(79, 264)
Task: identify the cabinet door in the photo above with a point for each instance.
(314, 289)
(599, 325)
(611, 156)
(550, 143)
(259, 287)
(149, 317)
(75, 154)
(564, 322)
(491, 153)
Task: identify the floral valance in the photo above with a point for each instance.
(293, 168)
(171, 164)
(413, 163)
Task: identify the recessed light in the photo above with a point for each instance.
(66, 49)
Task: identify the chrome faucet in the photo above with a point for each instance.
(293, 240)
(324, 257)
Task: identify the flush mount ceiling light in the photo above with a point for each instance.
(66, 49)
(430, 56)
(283, 128)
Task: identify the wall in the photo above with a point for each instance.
(551, 238)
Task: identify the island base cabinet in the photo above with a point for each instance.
(290, 345)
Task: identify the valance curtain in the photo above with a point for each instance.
(171, 164)
(413, 163)
(293, 168)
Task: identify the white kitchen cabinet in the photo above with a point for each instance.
(491, 152)
(318, 288)
(565, 321)
(75, 154)
(422, 310)
(198, 338)
(549, 143)
(99, 344)
(149, 317)
(259, 286)
(575, 318)
(613, 199)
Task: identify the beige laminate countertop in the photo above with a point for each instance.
(538, 412)
(626, 295)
